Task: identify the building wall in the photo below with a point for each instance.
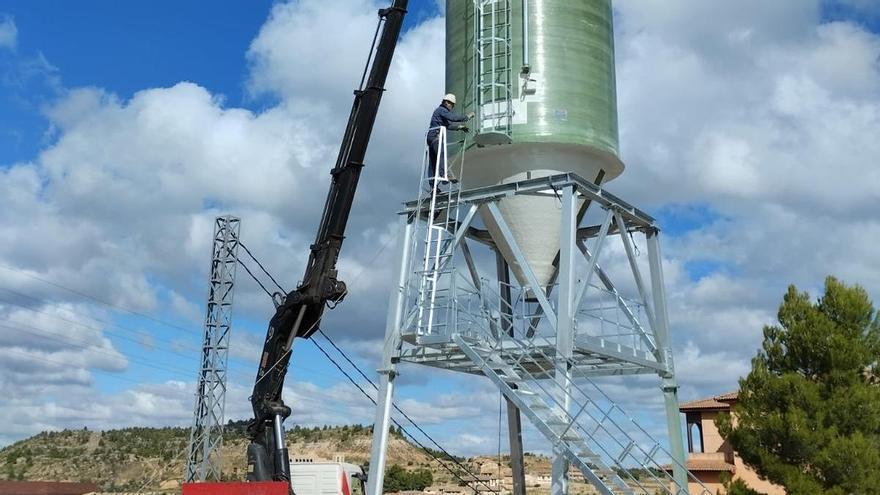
(710, 479)
(751, 478)
(713, 445)
(712, 439)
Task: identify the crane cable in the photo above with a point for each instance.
(402, 429)
(397, 408)
(364, 392)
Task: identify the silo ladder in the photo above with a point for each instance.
(492, 63)
(438, 206)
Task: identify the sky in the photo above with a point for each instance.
(747, 128)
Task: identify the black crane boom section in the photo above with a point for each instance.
(300, 312)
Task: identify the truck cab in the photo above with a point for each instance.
(327, 478)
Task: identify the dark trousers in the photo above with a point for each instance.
(434, 152)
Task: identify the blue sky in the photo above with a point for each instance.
(124, 128)
(125, 47)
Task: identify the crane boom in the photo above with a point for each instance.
(299, 314)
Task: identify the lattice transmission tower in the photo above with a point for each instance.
(206, 436)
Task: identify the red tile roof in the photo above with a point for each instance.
(728, 397)
(708, 465)
(718, 402)
(702, 465)
(45, 488)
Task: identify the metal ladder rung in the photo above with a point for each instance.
(590, 455)
(496, 85)
(625, 452)
(493, 39)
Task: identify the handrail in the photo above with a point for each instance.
(607, 425)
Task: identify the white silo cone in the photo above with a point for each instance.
(534, 221)
(535, 224)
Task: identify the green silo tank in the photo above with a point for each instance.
(540, 76)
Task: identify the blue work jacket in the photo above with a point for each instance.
(442, 116)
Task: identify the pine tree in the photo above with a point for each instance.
(808, 415)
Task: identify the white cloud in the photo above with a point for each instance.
(754, 109)
(284, 59)
(766, 117)
(8, 33)
(128, 188)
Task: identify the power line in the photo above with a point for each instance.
(419, 428)
(244, 368)
(85, 345)
(248, 251)
(341, 296)
(70, 365)
(95, 298)
(110, 326)
(248, 270)
(319, 403)
(402, 429)
(348, 376)
(396, 407)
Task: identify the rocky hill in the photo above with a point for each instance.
(152, 459)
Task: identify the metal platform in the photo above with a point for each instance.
(542, 345)
(612, 359)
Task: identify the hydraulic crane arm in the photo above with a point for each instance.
(300, 312)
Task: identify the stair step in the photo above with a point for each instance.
(555, 424)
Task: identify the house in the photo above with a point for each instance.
(709, 455)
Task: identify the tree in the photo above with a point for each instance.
(394, 479)
(808, 415)
(398, 479)
(736, 487)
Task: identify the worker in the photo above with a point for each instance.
(443, 116)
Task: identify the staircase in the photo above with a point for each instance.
(576, 416)
(492, 66)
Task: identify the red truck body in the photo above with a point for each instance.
(236, 488)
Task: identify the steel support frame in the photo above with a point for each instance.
(388, 367)
(514, 418)
(206, 434)
(621, 218)
(669, 383)
(565, 327)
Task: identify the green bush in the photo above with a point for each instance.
(398, 479)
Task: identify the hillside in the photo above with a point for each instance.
(152, 459)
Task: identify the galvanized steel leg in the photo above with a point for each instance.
(514, 421)
(565, 326)
(387, 369)
(514, 431)
(669, 385)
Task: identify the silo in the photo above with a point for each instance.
(539, 74)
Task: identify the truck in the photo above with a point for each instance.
(298, 313)
(306, 478)
(327, 478)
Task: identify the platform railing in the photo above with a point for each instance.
(589, 412)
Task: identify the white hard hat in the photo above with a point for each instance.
(450, 98)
